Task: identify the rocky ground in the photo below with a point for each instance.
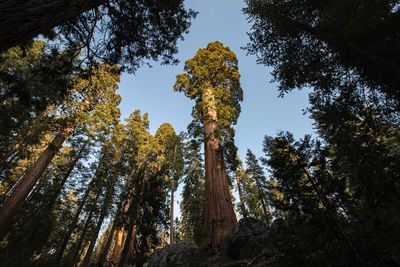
(246, 247)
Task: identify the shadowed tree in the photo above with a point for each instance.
(256, 173)
(111, 31)
(314, 43)
(192, 204)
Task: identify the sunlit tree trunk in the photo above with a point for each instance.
(219, 217)
(119, 238)
(262, 200)
(25, 185)
(20, 21)
(133, 212)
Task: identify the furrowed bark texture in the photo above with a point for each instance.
(22, 20)
(25, 185)
(119, 239)
(219, 218)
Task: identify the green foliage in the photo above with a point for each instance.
(32, 79)
(172, 153)
(129, 32)
(192, 204)
(336, 197)
(328, 44)
(252, 187)
(213, 68)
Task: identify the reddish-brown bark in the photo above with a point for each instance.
(219, 216)
(25, 185)
(119, 238)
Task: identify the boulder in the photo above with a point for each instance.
(249, 240)
(182, 254)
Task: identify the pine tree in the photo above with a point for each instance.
(256, 174)
(172, 152)
(32, 80)
(94, 104)
(192, 204)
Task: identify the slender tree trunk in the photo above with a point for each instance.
(75, 220)
(21, 21)
(219, 218)
(241, 198)
(59, 187)
(83, 234)
(92, 241)
(25, 185)
(104, 252)
(171, 216)
(103, 213)
(262, 200)
(333, 215)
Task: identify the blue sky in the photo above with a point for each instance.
(150, 89)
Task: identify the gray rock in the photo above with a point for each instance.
(182, 254)
(249, 240)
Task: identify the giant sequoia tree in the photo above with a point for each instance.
(113, 31)
(211, 78)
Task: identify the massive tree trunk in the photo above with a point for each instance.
(119, 238)
(219, 217)
(25, 185)
(20, 21)
(145, 250)
(130, 238)
(133, 213)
